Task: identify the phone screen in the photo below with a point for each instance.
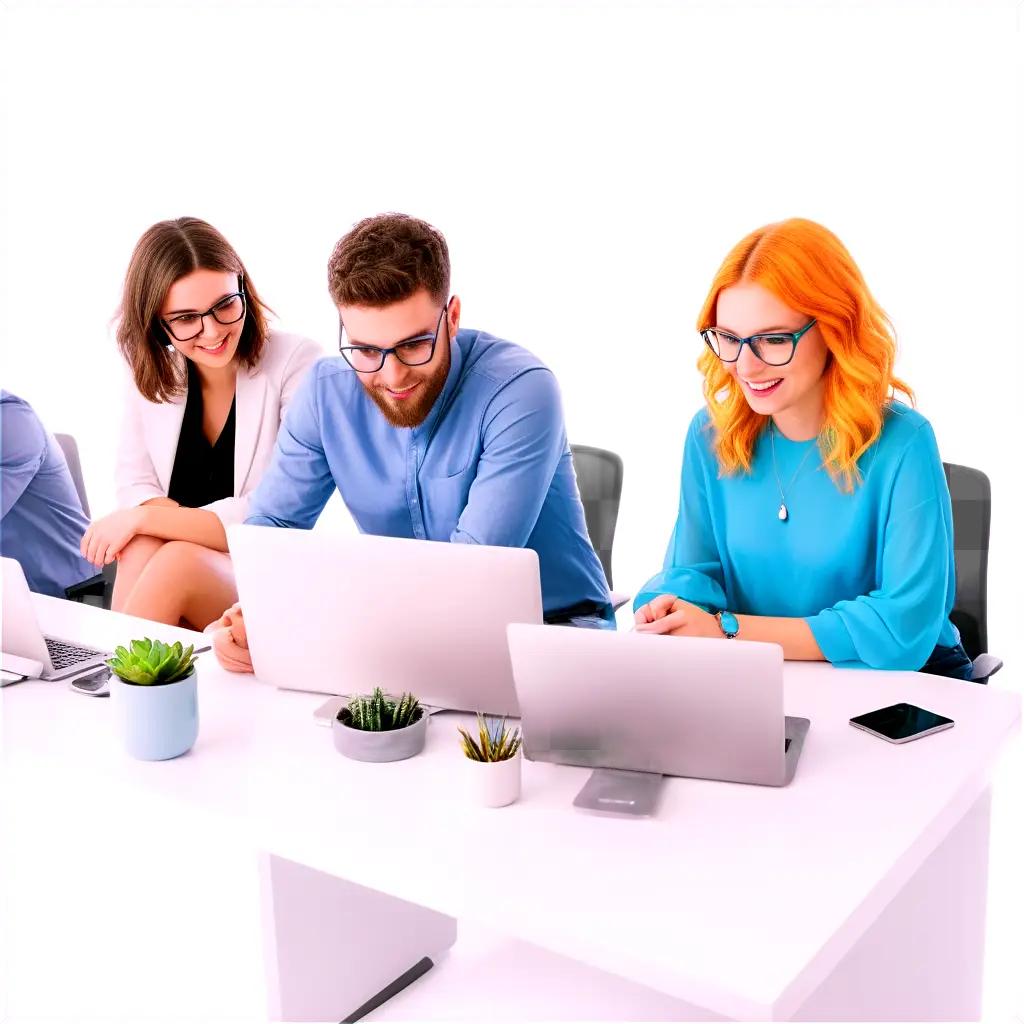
(900, 721)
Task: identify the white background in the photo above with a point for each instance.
(590, 165)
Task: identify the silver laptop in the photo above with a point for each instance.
(702, 708)
(344, 614)
(23, 638)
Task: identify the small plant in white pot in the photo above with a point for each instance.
(153, 685)
(380, 728)
(495, 761)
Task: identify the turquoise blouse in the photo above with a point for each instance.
(872, 572)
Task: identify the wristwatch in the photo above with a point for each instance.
(728, 624)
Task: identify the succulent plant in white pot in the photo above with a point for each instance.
(495, 761)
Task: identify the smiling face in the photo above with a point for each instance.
(792, 394)
(404, 394)
(217, 344)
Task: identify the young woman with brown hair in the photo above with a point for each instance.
(209, 385)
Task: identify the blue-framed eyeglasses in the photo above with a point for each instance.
(775, 348)
(416, 351)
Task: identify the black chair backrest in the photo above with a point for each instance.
(971, 494)
(599, 478)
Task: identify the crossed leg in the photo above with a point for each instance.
(134, 558)
(179, 583)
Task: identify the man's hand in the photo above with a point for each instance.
(671, 616)
(105, 538)
(230, 643)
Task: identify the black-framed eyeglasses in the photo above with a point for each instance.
(416, 351)
(775, 348)
(188, 326)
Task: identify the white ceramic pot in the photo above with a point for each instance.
(495, 783)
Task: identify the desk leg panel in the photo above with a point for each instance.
(922, 959)
(331, 945)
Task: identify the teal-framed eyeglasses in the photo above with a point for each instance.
(776, 348)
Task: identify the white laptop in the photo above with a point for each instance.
(344, 614)
(49, 656)
(703, 708)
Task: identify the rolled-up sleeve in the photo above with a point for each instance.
(897, 625)
(693, 564)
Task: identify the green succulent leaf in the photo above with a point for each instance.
(377, 712)
(152, 661)
(141, 648)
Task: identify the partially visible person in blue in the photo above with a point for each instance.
(813, 511)
(42, 519)
(427, 431)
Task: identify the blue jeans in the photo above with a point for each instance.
(585, 615)
(949, 661)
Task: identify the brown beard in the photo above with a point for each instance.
(411, 414)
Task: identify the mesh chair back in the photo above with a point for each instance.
(599, 478)
(971, 494)
(70, 448)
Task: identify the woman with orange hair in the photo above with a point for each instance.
(814, 511)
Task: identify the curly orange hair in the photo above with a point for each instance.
(805, 266)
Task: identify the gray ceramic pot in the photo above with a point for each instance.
(393, 745)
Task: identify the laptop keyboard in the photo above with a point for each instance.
(64, 655)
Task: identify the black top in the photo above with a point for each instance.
(202, 472)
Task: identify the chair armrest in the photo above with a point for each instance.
(985, 665)
(97, 590)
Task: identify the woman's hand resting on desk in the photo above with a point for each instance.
(230, 643)
(671, 616)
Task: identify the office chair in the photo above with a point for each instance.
(99, 589)
(70, 448)
(599, 478)
(971, 494)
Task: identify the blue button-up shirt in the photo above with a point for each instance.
(490, 464)
(41, 521)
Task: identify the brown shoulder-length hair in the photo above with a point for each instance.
(166, 252)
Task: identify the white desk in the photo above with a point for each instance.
(128, 891)
(810, 902)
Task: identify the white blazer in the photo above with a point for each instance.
(150, 430)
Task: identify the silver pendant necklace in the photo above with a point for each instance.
(783, 509)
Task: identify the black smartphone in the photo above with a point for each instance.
(900, 723)
(95, 683)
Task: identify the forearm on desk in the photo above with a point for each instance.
(794, 636)
(197, 525)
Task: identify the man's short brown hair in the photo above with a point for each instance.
(387, 258)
